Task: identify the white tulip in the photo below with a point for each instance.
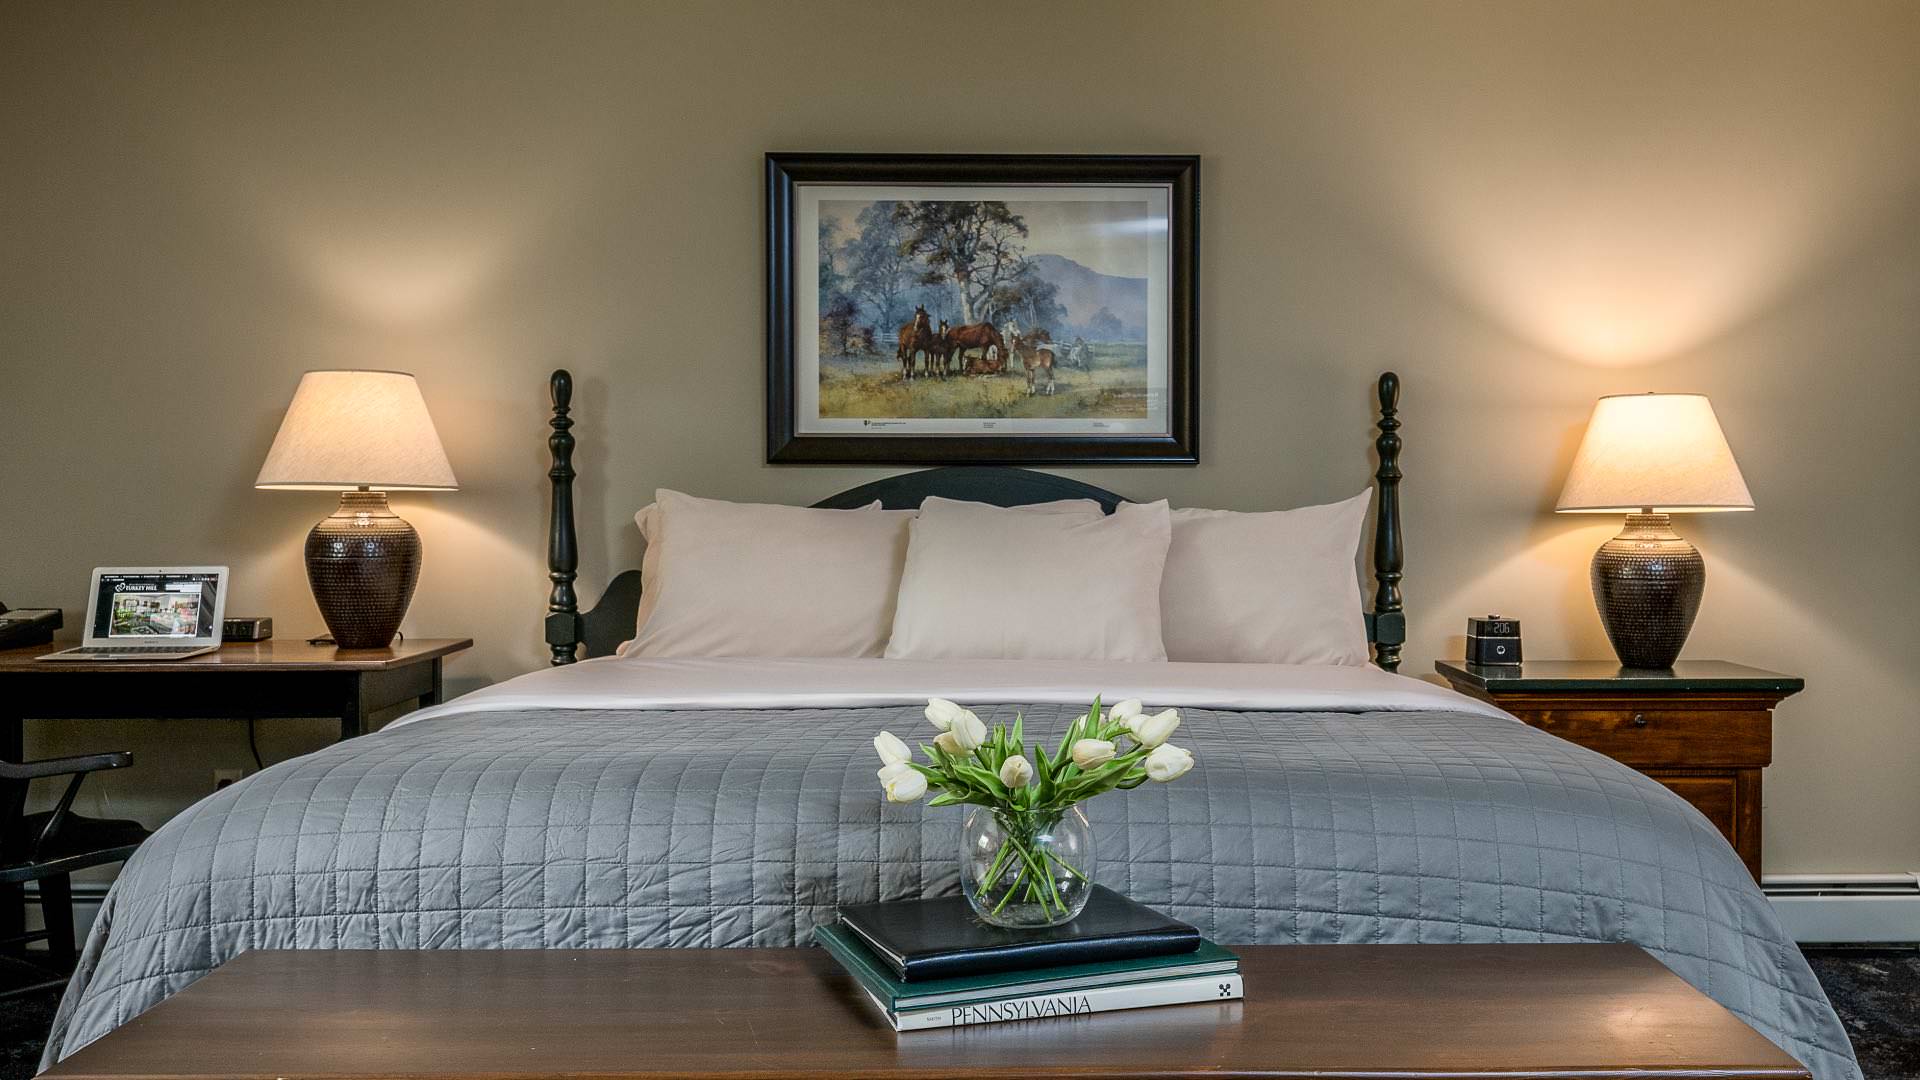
(1016, 772)
(941, 712)
(1126, 710)
(1168, 762)
(948, 744)
(906, 787)
(968, 731)
(1092, 753)
(891, 749)
(1151, 731)
(893, 769)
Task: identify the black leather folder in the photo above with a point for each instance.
(943, 939)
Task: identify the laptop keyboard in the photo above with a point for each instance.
(137, 650)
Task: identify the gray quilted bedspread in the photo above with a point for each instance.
(568, 829)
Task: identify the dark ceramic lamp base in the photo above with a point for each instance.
(363, 562)
(1647, 583)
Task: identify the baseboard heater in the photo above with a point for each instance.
(1847, 908)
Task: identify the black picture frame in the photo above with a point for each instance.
(1180, 445)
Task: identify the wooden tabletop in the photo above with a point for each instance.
(273, 654)
(1401, 1011)
(1605, 675)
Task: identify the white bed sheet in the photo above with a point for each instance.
(629, 683)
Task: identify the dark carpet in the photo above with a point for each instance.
(24, 1022)
(1877, 994)
(1875, 990)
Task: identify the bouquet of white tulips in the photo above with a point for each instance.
(1029, 791)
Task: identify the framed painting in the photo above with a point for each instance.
(1012, 309)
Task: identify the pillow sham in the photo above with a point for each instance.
(1266, 588)
(982, 582)
(653, 531)
(1086, 508)
(756, 579)
(652, 524)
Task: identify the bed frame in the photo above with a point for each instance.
(609, 622)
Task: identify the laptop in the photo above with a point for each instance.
(152, 613)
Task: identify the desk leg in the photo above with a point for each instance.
(438, 694)
(13, 897)
(352, 720)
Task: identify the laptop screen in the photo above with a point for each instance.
(156, 606)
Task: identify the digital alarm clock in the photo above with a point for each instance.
(1493, 640)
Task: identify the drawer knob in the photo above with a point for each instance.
(1639, 719)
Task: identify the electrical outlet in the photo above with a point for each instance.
(223, 777)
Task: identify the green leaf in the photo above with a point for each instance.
(1019, 734)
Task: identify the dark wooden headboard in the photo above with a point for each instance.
(611, 621)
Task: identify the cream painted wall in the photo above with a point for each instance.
(1519, 206)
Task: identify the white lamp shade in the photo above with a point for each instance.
(349, 429)
(1662, 452)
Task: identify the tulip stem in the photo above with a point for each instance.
(1039, 868)
(999, 864)
(1069, 867)
(1010, 890)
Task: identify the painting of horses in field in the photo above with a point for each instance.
(984, 309)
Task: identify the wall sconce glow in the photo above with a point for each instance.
(400, 279)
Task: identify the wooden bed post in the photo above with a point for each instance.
(563, 545)
(1389, 557)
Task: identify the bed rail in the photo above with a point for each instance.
(611, 621)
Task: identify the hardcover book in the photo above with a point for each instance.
(941, 938)
(897, 995)
(1071, 1003)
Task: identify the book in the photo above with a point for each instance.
(896, 995)
(943, 939)
(1071, 1003)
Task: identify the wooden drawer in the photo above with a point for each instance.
(1715, 795)
(1730, 800)
(1653, 737)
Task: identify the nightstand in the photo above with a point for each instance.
(1704, 728)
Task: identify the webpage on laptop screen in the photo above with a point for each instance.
(155, 606)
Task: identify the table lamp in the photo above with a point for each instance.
(363, 434)
(1651, 455)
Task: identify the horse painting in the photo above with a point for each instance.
(981, 336)
(918, 337)
(1039, 365)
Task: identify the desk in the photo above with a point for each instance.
(262, 680)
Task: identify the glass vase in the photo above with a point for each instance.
(1022, 868)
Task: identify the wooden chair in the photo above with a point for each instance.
(48, 846)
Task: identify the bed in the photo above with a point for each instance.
(630, 802)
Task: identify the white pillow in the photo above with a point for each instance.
(752, 579)
(983, 582)
(1270, 588)
(653, 531)
(1086, 508)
